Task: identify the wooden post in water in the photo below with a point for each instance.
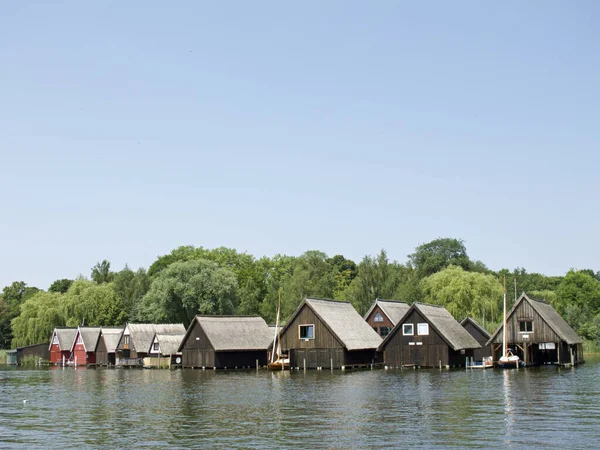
(558, 353)
(304, 362)
(257, 365)
(331, 359)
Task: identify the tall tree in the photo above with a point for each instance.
(377, 278)
(12, 298)
(185, 289)
(101, 272)
(40, 314)
(433, 256)
(130, 287)
(465, 293)
(60, 286)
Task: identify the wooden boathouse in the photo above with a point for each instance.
(136, 338)
(84, 345)
(61, 343)
(538, 335)
(428, 336)
(221, 342)
(481, 336)
(107, 345)
(325, 333)
(37, 351)
(385, 314)
(164, 350)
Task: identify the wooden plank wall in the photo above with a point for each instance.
(430, 353)
(290, 339)
(197, 352)
(484, 351)
(541, 331)
(377, 325)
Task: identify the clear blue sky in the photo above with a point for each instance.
(128, 129)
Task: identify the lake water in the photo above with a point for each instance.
(74, 408)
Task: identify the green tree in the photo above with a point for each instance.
(11, 299)
(433, 256)
(185, 289)
(40, 314)
(60, 286)
(377, 278)
(101, 272)
(92, 304)
(130, 287)
(465, 293)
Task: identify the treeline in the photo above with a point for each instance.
(192, 280)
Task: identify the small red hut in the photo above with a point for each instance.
(84, 345)
(61, 343)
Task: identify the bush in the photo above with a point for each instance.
(2, 356)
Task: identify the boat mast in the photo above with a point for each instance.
(504, 322)
(276, 330)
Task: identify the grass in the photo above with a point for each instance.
(591, 347)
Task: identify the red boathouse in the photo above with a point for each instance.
(61, 343)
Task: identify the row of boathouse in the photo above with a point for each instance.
(324, 333)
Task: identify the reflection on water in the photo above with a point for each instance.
(70, 408)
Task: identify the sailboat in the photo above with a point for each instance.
(282, 362)
(507, 360)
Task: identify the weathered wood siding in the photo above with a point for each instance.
(377, 325)
(485, 350)
(541, 331)
(427, 351)
(56, 355)
(103, 358)
(197, 350)
(324, 339)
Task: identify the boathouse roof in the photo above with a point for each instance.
(232, 333)
(476, 325)
(111, 338)
(142, 334)
(393, 309)
(343, 321)
(443, 322)
(89, 336)
(65, 338)
(548, 315)
(169, 343)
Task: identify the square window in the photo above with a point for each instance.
(126, 339)
(307, 331)
(423, 329)
(526, 326)
(155, 347)
(408, 329)
(384, 331)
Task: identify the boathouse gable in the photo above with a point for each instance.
(481, 335)
(60, 344)
(136, 340)
(329, 333)
(538, 335)
(225, 342)
(384, 314)
(428, 336)
(107, 345)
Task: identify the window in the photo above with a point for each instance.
(408, 329)
(155, 347)
(79, 339)
(384, 331)
(423, 329)
(126, 339)
(307, 331)
(378, 317)
(55, 339)
(526, 326)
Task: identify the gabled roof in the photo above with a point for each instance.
(168, 343)
(548, 315)
(142, 334)
(232, 333)
(442, 321)
(111, 338)
(476, 325)
(393, 309)
(89, 335)
(343, 321)
(65, 338)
